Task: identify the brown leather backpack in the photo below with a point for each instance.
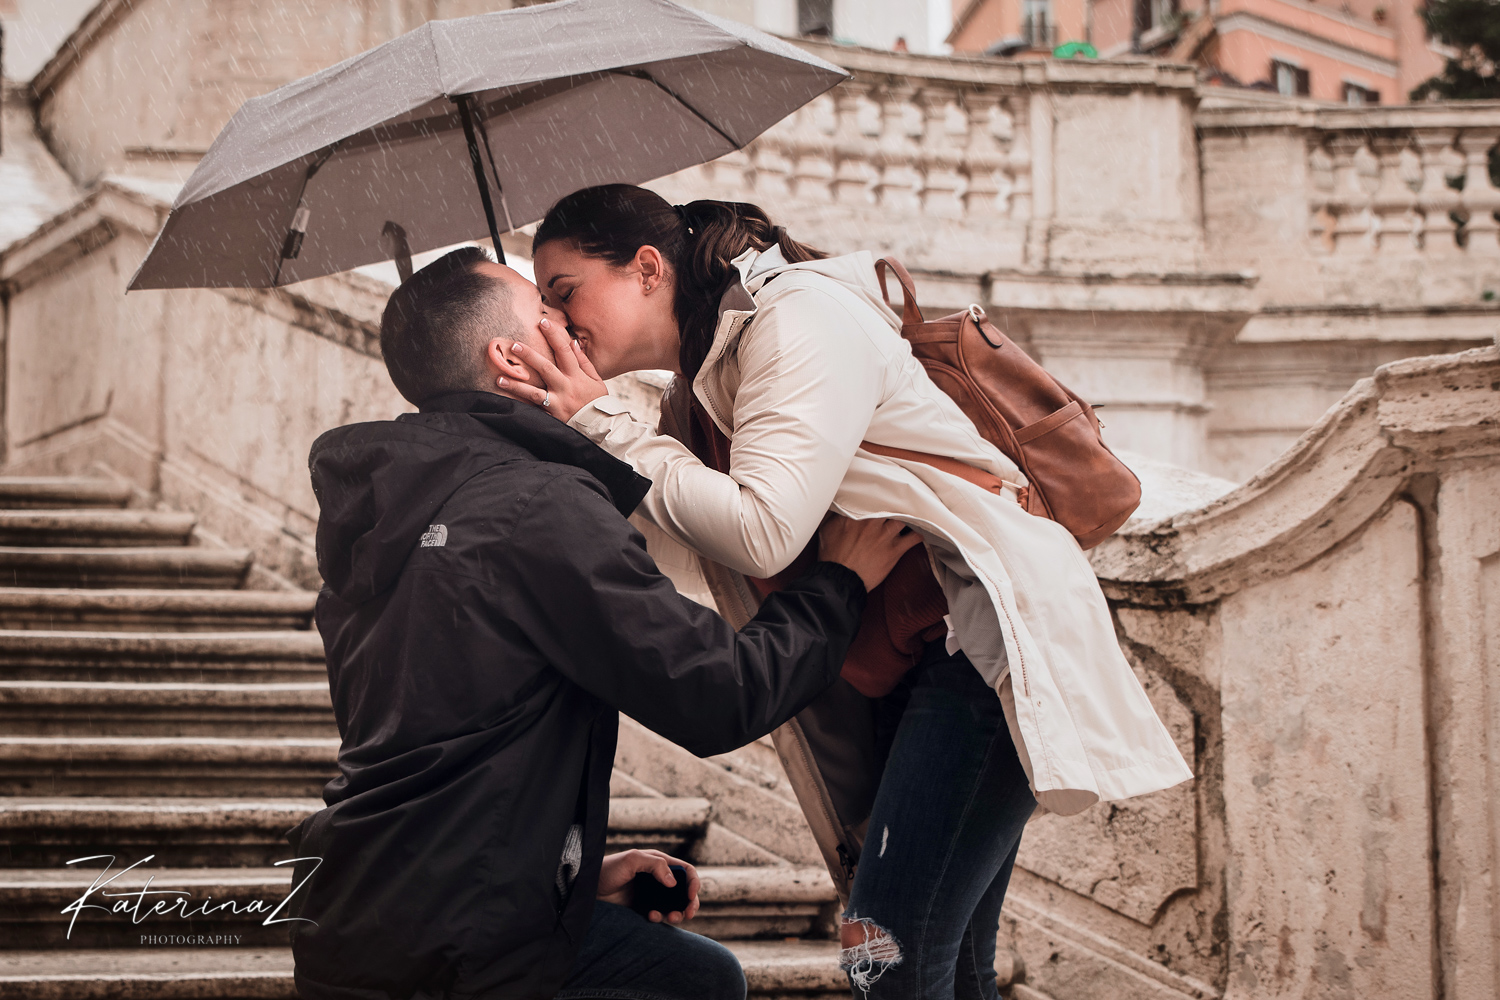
(1040, 425)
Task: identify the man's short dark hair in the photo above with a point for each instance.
(435, 326)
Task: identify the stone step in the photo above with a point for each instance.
(784, 901)
(806, 970)
(49, 492)
(37, 654)
(179, 832)
(736, 903)
(185, 832)
(662, 824)
(136, 610)
(181, 566)
(166, 765)
(123, 708)
(95, 527)
(148, 973)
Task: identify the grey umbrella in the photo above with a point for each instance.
(382, 153)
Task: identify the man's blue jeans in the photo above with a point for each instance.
(925, 905)
(942, 841)
(626, 957)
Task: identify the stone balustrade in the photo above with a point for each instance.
(1403, 189)
(1376, 181)
(1372, 235)
(908, 147)
(968, 166)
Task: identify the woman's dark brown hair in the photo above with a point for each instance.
(698, 240)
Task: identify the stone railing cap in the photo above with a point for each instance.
(1407, 418)
(1437, 114)
(869, 65)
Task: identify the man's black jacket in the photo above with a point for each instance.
(486, 610)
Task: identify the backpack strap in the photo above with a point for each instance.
(987, 481)
(911, 313)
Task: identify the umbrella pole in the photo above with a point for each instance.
(462, 100)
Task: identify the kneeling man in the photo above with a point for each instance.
(487, 611)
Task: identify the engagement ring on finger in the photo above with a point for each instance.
(547, 399)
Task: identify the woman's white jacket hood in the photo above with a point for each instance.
(807, 362)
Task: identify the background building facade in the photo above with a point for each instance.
(1352, 52)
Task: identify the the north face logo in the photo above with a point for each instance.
(435, 537)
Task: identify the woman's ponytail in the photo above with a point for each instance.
(698, 240)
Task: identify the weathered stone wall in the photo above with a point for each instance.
(1324, 627)
(206, 400)
(145, 85)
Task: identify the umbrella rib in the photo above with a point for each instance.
(484, 133)
(641, 74)
(291, 246)
(426, 128)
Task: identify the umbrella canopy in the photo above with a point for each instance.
(335, 170)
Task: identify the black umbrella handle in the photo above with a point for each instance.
(462, 100)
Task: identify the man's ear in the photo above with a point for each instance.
(502, 361)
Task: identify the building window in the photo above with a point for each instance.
(1156, 15)
(1357, 95)
(1288, 79)
(1036, 24)
(815, 17)
(1153, 21)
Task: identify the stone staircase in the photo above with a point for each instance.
(151, 704)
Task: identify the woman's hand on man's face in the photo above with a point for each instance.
(571, 381)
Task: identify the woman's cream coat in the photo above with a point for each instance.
(797, 377)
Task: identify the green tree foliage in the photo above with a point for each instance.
(1472, 27)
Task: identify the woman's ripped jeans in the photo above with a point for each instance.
(947, 821)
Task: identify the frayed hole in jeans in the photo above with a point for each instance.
(867, 951)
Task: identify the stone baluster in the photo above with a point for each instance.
(1320, 218)
(853, 171)
(896, 188)
(982, 158)
(1041, 113)
(1480, 199)
(940, 178)
(773, 167)
(733, 178)
(1019, 160)
(1435, 199)
(811, 154)
(1003, 133)
(1350, 202)
(1393, 202)
(812, 171)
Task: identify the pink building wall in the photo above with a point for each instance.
(1377, 45)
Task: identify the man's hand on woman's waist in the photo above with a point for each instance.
(871, 547)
